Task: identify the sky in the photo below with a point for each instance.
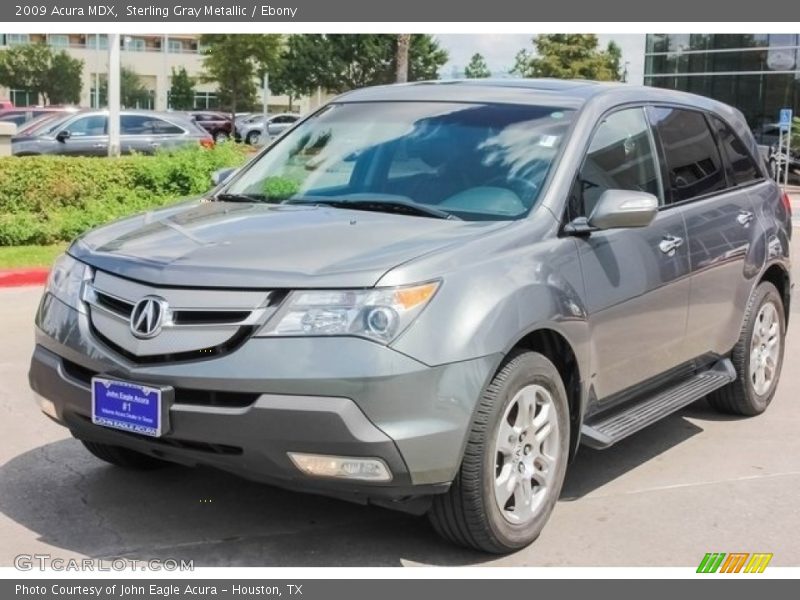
(499, 50)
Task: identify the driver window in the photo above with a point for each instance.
(621, 156)
(88, 126)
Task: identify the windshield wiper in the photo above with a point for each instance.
(242, 198)
(378, 205)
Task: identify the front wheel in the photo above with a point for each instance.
(757, 356)
(514, 462)
(253, 138)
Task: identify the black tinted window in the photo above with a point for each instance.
(693, 165)
(742, 166)
(146, 125)
(620, 157)
(134, 125)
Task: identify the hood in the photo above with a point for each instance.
(220, 244)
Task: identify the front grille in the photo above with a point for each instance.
(193, 323)
(193, 396)
(209, 317)
(115, 305)
(227, 346)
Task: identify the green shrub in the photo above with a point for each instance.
(46, 199)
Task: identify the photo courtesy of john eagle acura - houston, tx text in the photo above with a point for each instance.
(428, 296)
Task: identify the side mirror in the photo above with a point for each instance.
(222, 175)
(63, 135)
(618, 209)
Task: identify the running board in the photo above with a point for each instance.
(604, 430)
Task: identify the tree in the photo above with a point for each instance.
(342, 62)
(132, 92)
(477, 68)
(569, 56)
(63, 84)
(56, 77)
(236, 61)
(401, 57)
(181, 91)
(521, 61)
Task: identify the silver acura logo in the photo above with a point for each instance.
(147, 316)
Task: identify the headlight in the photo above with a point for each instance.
(66, 278)
(380, 314)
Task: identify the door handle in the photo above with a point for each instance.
(670, 244)
(744, 218)
(98, 145)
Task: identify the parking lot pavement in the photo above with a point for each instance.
(697, 482)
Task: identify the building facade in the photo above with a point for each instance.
(151, 57)
(757, 73)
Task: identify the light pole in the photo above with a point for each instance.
(113, 94)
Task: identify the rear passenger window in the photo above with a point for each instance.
(694, 165)
(620, 157)
(742, 167)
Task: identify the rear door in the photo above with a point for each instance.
(636, 279)
(710, 171)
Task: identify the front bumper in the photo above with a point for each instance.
(338, 396)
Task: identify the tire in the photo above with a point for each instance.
(220, 137)
(747, 395)
(253, 138)
(470, 513)
(123, 457)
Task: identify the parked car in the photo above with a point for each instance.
(217, 124)
(86, 134)
(428, 296)
(26, 114)
(6, 104)
(252, 129)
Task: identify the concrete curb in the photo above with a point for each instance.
(20, 277)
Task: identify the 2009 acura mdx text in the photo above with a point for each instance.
(427, 296)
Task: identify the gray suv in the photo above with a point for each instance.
(427, 296)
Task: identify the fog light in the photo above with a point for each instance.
(344, 467)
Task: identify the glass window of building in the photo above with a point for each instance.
(175, 46)
(13, 39)
(757, 73)
(97, 41)
(58, 40)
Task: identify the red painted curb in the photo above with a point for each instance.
(18, 277)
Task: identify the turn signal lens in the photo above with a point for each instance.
(411, 297)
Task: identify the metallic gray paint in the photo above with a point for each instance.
(629, 311)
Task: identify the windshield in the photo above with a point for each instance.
(473, 161)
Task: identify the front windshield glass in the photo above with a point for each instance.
(473, 161)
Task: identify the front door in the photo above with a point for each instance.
(637, 279)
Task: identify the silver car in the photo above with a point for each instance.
(85, 133)
(251, 129)
(427, 297)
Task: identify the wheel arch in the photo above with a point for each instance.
(778, 275)
(556, 348)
